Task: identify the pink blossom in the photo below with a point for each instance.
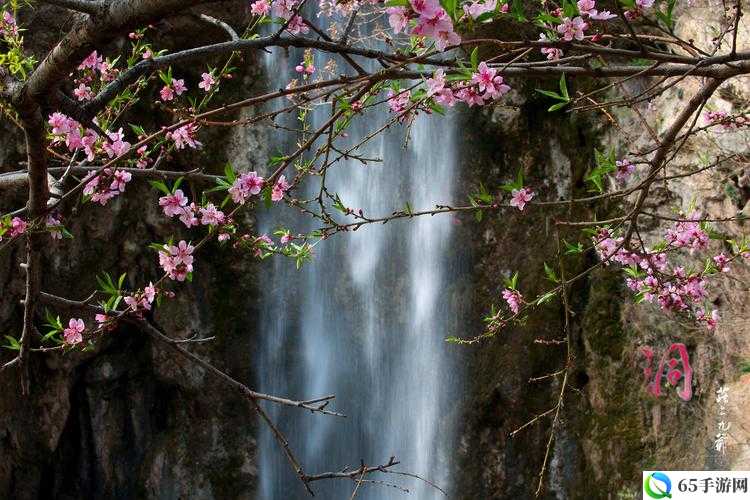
(108, 73)
(488, 82)
(624, 169)
(173, 204)
(281, 187)
(223, 237)
(101, 319)
(262, 242)
(54, 226)
(135, 302)
(92, 61)
(297, 25)
(8, 24)
(476, 9)
(116, 146)
(471, 96)
(586, 6)
(149, 292)
(425, 7)
(179, 86)
(207, 81)
(83, 92)
(185, 135)
(552, 53)
(399, 101)
(437, 90)
(644, 4)
(688, 234)
(88, 141)
(188, 215)
(143, 159)
(74, 333)
(572, 28)
(514, 299)
(520, 197)
(434, 22)
(166, 93)
(61, 124)
(120, 178)
(722, 262)
(436, 83)
(99, 191)
(305, 68)
(177, 261)
(211, 216)
(147, 54)
(246, 185)
(17, 227)
(397, 18)
(286, 238)
(710, 321)
(260, 8)
(604, 15)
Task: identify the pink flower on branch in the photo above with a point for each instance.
(245, 186)
(397, 18)
(207, 82)
(260, 8)
(74, 333)
(572, 28)
(185, 136)
(83, 92)
(17, 227)
(281, 187)
(514, 299)
(211, 216)
(520, 197)
(177, 260)
(173, 204)
(624, 169)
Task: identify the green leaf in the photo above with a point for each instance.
(564, 87)
(177, 184)
(571, 249)
(517, 10)
(229, 173)
(159, 185)
(551, 274)
(551, 94)
(475, 58)
(13, 344)
(397, 3)
(557, 106)
(545, 298)
(450, 7)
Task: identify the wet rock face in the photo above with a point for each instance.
(612, 428)
(128, 420)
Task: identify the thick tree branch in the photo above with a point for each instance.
(91, 7)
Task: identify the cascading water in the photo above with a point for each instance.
(366, 319)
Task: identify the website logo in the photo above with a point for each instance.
(658, 485)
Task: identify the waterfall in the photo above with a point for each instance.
(367, 318)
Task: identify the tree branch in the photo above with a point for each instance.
(90, 7)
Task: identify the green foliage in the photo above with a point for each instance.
(562, 96)
(605, 164)
(12, 344)
(517, 184)
(666, 16)
(550, 274)
(512, 283)
(114, 291)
